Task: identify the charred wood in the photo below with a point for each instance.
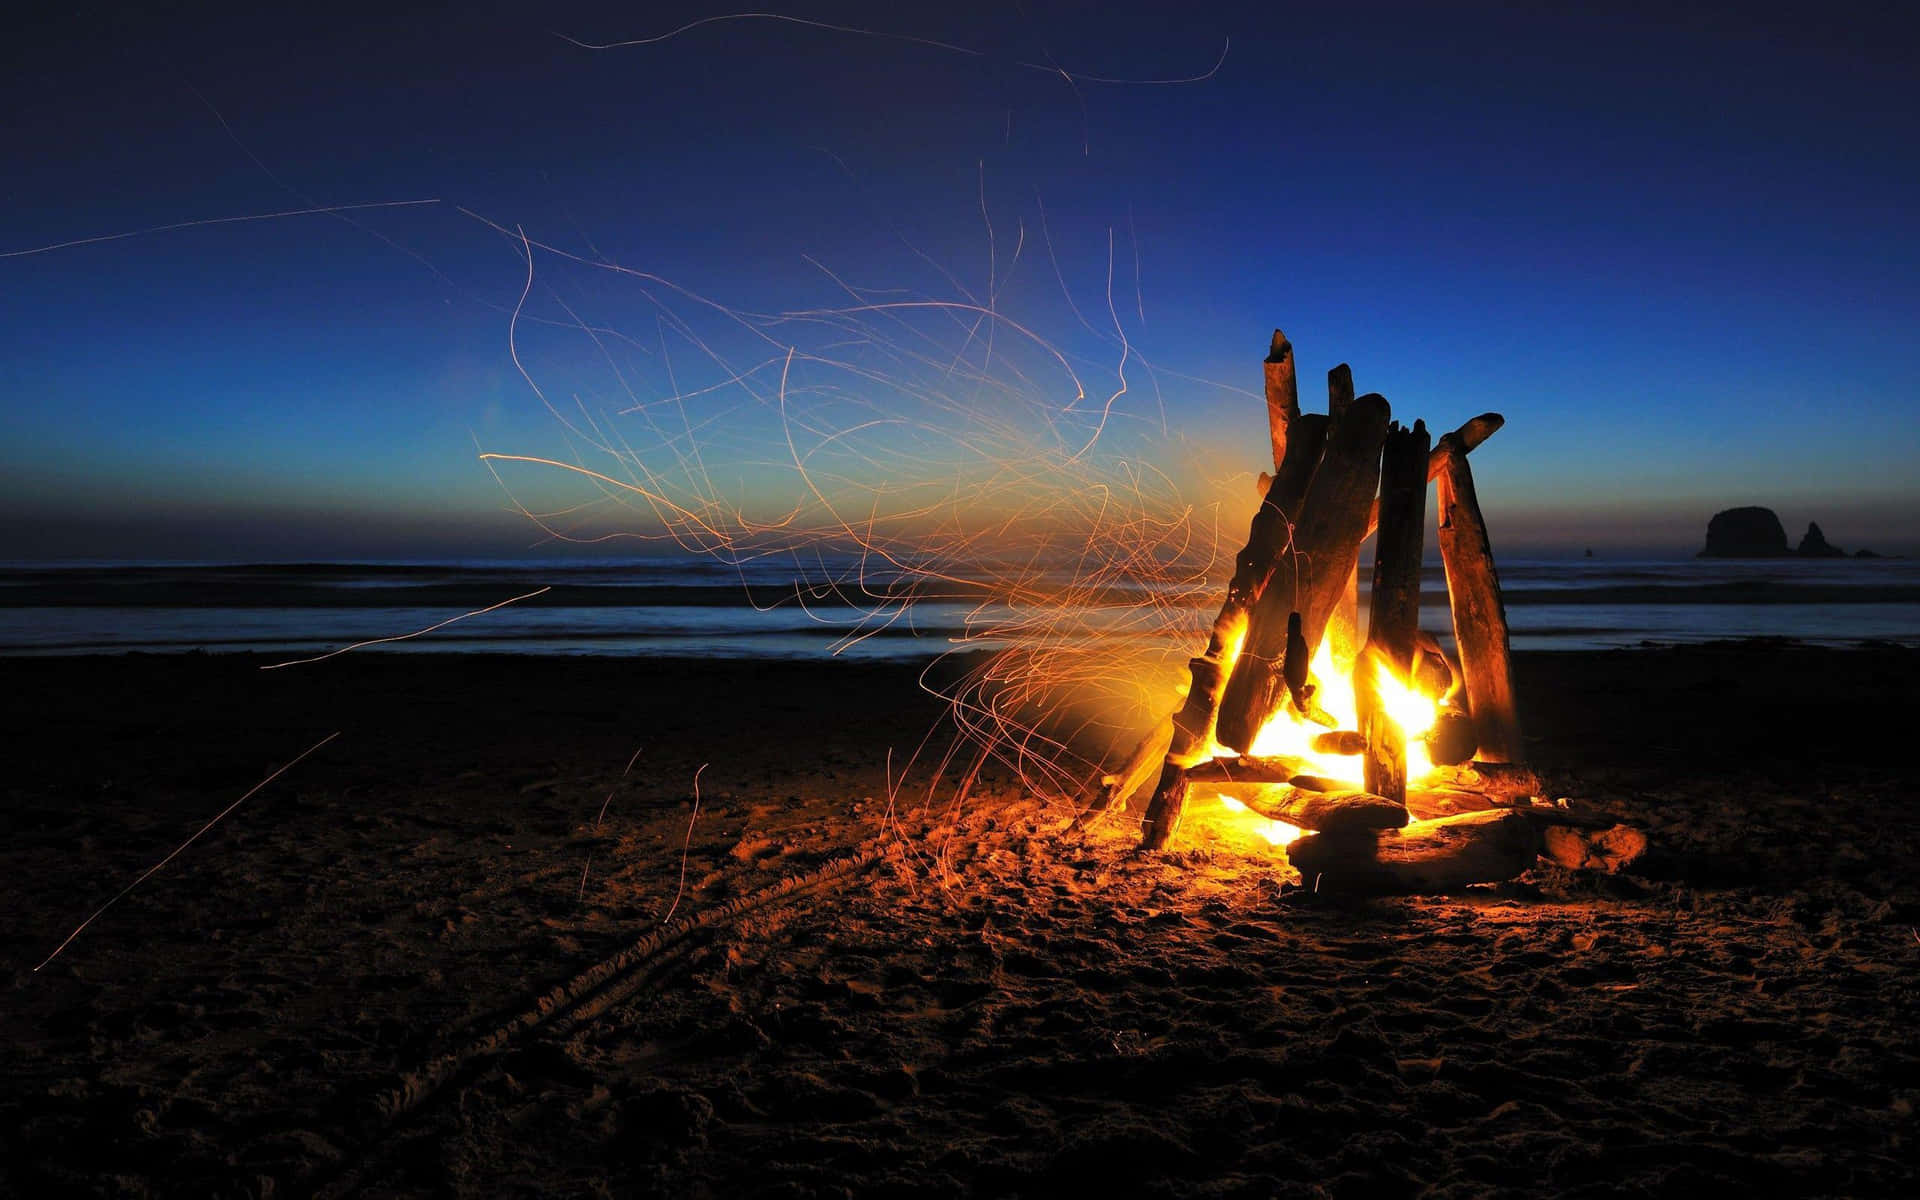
(1393, 613)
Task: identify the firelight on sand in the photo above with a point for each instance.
(1279, 833)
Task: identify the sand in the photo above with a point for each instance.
(368, 979)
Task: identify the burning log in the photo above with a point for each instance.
(1393, 614)
(1279, 768)
(1332, 813)
(1310, 574)
(1316, 783)
(1479, 615)
(1426, 856)
(1340, 741)
(1193, 725)
(1343, 626)
(1452, 739)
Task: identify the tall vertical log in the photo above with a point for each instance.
(1393, 611)
(1479, 614)
(1311, 572)
(1283, 395)
(1465, 438)
(1343, 627)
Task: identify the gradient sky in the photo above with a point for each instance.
(1675, 244)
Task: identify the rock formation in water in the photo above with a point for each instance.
(1816, 545)
(1751, 532)
(1755, 532)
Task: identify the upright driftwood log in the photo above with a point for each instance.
(1283, 395)
(1310, 574)
(1465, 438)
(1343, 626)
(1393, 612)
(1479, 614)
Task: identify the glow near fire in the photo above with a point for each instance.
(1278, 833)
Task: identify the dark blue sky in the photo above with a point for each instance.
(1674, 244)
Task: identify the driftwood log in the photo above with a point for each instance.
(1277, 768)
(1331, 813)
(1268, 541)
(1283, 395)
(1426, 856)
(1311, 573)
(1343, 626)
(1393, 610)
(1479, 614)
(1169, 804)
(1118, 786)
(1468, 436)
(1509, 782)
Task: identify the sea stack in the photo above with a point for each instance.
(1751, 532)
(1816, 545)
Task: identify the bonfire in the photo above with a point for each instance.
(1383, 765)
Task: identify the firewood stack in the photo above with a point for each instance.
(1338, 478)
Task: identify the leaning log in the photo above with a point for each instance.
(1479, 614)
(1118, 786)
(1267, 539)
(1393, 610)
(1330, 813)
(1164, 811)
(1311, 572)
(1426, 856)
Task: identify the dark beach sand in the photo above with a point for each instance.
(302, 1002)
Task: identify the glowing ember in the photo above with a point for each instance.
(1279, 833)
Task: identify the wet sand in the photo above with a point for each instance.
(421, 963)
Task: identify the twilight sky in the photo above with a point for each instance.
(1673, 243)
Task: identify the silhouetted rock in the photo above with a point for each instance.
(1751, 532)
(1816, 545)
(1865, 553)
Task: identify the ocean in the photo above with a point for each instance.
(704, 608)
